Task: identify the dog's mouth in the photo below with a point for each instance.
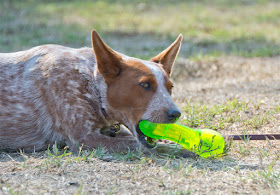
(148, 142)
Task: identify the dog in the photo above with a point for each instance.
(55, 94)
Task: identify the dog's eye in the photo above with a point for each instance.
(170, 90)
(146, 85)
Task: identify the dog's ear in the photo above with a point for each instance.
(168, 56)
(109, 63)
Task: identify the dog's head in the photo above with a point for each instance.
(136, 89)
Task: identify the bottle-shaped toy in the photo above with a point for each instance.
(204, 142)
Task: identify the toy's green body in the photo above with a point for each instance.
(204, 142)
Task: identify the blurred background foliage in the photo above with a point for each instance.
(143, 28)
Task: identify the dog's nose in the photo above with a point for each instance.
(173, 115)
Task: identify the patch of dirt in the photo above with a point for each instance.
(226, 78)
(251, 167)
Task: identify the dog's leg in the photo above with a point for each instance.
(122, 142)
(112, 144)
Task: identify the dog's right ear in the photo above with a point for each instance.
(109, 63)
(167, 57)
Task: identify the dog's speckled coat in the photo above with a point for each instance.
(52, 93)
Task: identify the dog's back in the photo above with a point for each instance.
(40, 88)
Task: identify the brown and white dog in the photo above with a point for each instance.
(52, 93)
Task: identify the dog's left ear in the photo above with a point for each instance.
(168, 56)
(109, 63)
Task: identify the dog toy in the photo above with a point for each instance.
(204, 142)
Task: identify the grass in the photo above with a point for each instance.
(247, 28)
(143, 28)
(161, 172)
(270, 177)
(223, 115)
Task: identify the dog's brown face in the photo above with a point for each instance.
(137, 89)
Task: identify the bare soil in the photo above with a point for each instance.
(249, 168)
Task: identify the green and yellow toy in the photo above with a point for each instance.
(204, 142)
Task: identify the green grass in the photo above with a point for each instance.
(143, 28)
(223, 115)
